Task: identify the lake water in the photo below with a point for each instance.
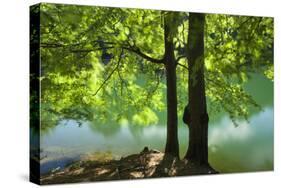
(248, 147)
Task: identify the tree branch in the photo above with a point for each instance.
(90, 50)
(52, 45)
(182, 66)
(180, 57)
(109, 76)
(122, 81)
(133, 49)
(138, 52)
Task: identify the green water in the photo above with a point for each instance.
(248, 147)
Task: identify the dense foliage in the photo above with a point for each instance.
(100, 64)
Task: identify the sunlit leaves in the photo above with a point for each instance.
(234, 47)
(269, 73)
(76, 83)
(237, 43)
(229, 96)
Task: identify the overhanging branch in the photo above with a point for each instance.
(141, 54)
(133, 49)
(182, 66)
(111, 73)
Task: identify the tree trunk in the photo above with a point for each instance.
(198, 126)
(172, 145)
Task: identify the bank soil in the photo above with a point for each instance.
(146, 164)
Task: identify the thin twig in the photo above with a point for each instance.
(182, 66)
(109, 76)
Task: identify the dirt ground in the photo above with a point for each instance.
(146, 164)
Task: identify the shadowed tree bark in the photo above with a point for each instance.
(172, 145)
(198, 117)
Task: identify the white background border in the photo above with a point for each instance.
(14, 91)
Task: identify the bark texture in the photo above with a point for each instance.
(198, 117)
(172, 145)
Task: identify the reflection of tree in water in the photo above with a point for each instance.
(261, 89)
(48, 122)
(111, 127)
(137, 132)
(108, 129)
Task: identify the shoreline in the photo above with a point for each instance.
(146, 164)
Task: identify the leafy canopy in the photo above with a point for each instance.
(95, 65)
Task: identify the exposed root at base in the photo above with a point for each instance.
(146, 164)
